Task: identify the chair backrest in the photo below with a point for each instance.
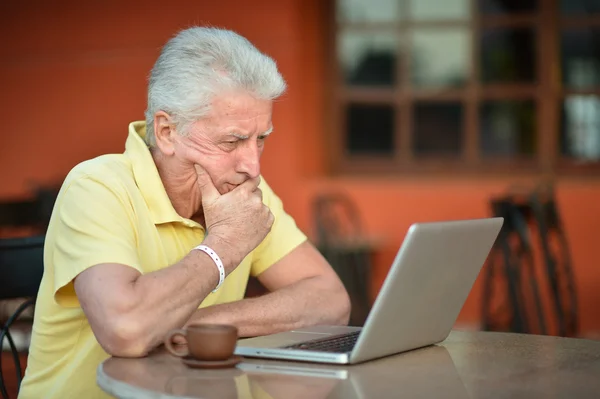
(18, 213)
(513, 259)
(338, 224)
(21, 266)
(336, 217)
(533, 212)
(32, 213)
(557, 256)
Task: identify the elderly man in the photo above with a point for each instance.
(168, 233)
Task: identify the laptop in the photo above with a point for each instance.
(417, 306)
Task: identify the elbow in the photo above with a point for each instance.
(338, 305)
(343, 307)
(124, 338)
(346, 309)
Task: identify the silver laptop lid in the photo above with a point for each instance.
(426, 286)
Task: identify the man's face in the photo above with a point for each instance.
(229, 142)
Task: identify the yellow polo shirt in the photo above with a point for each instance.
(114, 209)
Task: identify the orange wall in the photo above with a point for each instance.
(73, 77)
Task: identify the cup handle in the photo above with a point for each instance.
(170, 346)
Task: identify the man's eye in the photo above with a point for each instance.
(229, 145)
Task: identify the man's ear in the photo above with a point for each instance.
(164, 132)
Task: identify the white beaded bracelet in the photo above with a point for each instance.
(217, 261)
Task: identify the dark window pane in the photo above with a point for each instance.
(580, 136)
(438, 129)
(368, 10)
(370, 129)
(583, 7)
(508, 128)
(508, 55)
(581, 57)
(435, 9)
(440, 57)
(503, 7)
(368, 58)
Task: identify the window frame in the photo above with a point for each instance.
(547, 93)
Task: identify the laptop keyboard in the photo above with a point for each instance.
(339, 344)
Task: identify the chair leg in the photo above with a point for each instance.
(16, 360)
(15, 353)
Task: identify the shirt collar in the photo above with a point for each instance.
(147, 178)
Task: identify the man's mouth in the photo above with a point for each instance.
(230, 187)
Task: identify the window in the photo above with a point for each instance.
(466, 85)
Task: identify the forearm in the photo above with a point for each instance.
(308, 302)
(165, 299)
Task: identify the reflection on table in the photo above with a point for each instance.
(466, 365)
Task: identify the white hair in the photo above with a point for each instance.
(198, 63)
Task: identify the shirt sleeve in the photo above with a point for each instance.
(281, 240)
(93, 224)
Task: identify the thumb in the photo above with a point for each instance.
(207, 188)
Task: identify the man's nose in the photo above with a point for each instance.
(249, 160)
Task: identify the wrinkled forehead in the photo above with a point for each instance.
(239, 105)
(240, 111)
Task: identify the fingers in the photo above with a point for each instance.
(207, 187)
(250, 184)
(179, 340)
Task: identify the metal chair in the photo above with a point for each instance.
(511, 260)
(21, 270)
(531, 212)
(557, 259)
(339, 230)
(31, 213)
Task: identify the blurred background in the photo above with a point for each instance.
(398, 111)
